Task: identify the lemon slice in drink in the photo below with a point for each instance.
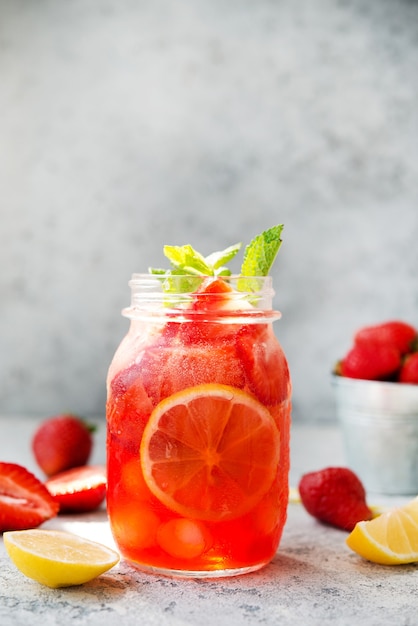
(389, 539)
(210, 452)
(58, 559)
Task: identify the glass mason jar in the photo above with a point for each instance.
(198, 421)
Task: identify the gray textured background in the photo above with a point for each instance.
(127, 124)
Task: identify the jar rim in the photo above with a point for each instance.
(150, 276)
(173, 295)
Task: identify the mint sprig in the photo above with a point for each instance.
(261, 252)
(218, 260)
(187, 260)
(259, 256)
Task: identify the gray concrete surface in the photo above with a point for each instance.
(314, 579)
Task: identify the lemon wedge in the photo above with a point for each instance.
(390, 538)
(56, 558)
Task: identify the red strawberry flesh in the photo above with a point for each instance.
(24, 501)
(211, 295)
(80, 489)
(264, 364)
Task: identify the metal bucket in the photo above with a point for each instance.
(379, 423)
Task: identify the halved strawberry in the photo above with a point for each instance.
(24, 501)
(78, 490)
(264, 363)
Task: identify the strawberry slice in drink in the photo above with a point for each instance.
(164, 372)
(264, 363)
(213, 294)
(211, 301)
(128, 408)
(25, 502)
(184, 354)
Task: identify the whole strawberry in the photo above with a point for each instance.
(395, 333)
(336, 496)
(409, 370)
(62, 442)
(370, 362)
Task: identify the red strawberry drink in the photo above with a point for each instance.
(198, 428)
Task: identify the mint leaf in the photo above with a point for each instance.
(260, 253)
(187, 283)
(188, 260)
(217, 260)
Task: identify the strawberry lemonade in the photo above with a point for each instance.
(198, 415)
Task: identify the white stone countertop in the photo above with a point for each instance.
(314, 578)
